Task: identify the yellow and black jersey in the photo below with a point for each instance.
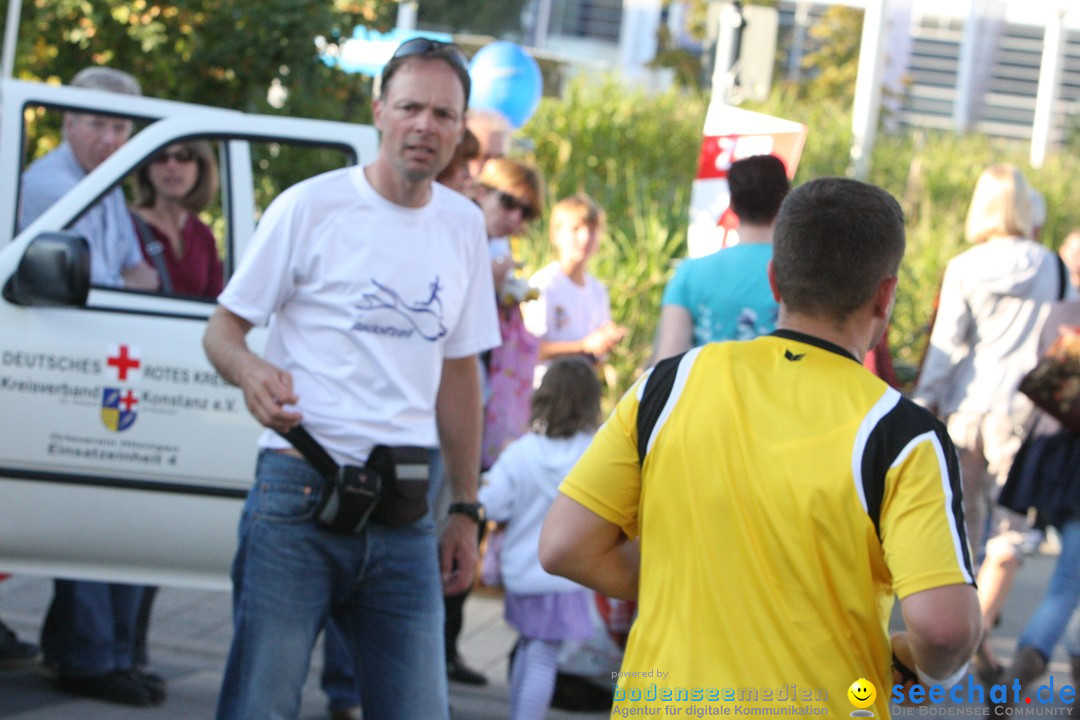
(782, 494)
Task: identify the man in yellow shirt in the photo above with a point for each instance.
(764, 501)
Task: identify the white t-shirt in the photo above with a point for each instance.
(364, 300)
(564, 310)
(499, 247)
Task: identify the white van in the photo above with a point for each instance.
(123, 454)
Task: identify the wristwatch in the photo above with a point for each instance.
(473, 510)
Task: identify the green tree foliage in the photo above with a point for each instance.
(212, 52)
(225, 53)
(834, 62)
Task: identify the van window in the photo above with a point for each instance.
(182, 215)
(274, 166)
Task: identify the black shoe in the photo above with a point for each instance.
(457, 671)
(14, 653)
(577, 694)
(154, 684)
(118, 686)
(349, 713)
(987, 671)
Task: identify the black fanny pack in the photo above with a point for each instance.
(390, 488)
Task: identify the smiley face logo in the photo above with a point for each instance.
(862, 693)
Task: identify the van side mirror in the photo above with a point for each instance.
(54, 270)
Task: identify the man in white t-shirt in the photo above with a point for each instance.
(378, 294)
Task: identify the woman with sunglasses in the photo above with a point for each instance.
(170, 190)
(509, 193)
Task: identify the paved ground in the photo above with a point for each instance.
(190, 636)
(189, 640)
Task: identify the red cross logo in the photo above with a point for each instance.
(123, 363)
(128, 400)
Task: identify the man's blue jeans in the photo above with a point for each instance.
(339, 671)
(383, 586)
(1047, 624)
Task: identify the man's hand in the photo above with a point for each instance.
(458, 554)
(267, 390)
(580, 545)
(459, 412)
(141, 276)
(902, 654)
(601, 340)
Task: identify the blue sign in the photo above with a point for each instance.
(368, 50)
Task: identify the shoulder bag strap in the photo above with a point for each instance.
(1063, 277)
(154, 249)
(312, 451)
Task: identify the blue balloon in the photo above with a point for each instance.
(507, 79)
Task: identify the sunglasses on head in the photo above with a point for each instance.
(183, 155)
(424, 46)
(510, 203)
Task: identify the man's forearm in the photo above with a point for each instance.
(613, 573)
(459, 414)
(944, 626)
(225, 344)
(579, 545)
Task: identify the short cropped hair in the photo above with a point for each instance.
(486, 122)
(1000, 205)
(517, 178)
(758, 185)
(567, 401)
(581, 208)
(201, 193)
(835, 240)
(97, 77)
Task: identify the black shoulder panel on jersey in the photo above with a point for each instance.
(653, 398)
(952, 462)
(891, 435)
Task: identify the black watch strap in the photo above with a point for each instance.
(473, 510)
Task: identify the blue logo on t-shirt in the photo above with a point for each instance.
(381, 313)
